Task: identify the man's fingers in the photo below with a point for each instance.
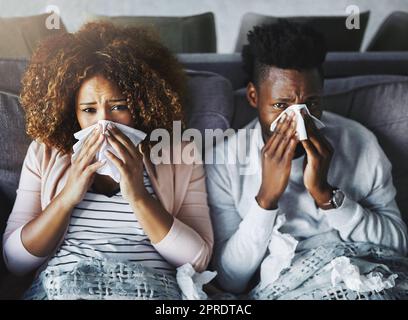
(309, 148)
(284, 142)
(320, 142)
(289, 152)
(284, 124)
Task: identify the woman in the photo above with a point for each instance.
(70, 222)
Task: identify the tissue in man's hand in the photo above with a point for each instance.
(136, 136)
(300, 124)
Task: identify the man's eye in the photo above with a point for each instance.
(89, 110)
(279, 106)
(120, 107)
(312, 104)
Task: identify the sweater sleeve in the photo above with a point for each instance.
(376, 217)
(190, 239)
(240, 244)
(27, 206)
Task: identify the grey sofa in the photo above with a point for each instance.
(370, 88)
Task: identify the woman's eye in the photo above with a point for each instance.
(120, 107)
(280, 106)
(89, 110)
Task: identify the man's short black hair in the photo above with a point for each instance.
(285, 45)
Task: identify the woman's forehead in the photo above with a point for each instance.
(98, 85)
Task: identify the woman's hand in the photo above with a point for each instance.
(82, 171)
(129, 164)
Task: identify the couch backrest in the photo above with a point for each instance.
(337, 64)
(19, 36)
(180, 34)
(333, 28)
(380, 103)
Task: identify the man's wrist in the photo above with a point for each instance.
(323, 197)
(270, 204)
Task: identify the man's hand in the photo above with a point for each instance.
(277, 155)
(316, 165)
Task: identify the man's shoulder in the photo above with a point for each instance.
(342, 129)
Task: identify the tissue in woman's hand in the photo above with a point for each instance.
(191, 282)
(136, 136)
(300, 124)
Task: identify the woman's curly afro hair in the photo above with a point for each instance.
(133, 58)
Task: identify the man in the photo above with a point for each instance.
(337, 181)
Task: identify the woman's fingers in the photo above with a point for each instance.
(116, 161)
(92, 168)
(119, 148)
(89, 141)
(124, 140)
(91, 150)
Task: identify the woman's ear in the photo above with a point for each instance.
(252, 95)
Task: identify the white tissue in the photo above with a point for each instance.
(300, 124)
(191, 282)
(281, 249)
(136, 136)
(344, 271)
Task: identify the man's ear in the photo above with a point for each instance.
(252, 95)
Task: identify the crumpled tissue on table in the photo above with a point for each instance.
(281, 249)
(300, 123)
(136, 136)
(191, 282)
(343, 270)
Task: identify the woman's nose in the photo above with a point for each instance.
(105, 115)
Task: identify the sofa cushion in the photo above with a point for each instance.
(338, 37)
(180, 34)
(13, 147)
(19, 36)
(377, 102)
(390, 34)
(209, 101)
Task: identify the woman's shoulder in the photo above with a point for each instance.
(42, 153)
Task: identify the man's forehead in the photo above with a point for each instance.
(291, 80)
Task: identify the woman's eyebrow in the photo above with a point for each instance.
(111, 100)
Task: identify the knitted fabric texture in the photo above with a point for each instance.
(308, 277)
(93, 279)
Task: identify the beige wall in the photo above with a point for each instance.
(228, 13)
